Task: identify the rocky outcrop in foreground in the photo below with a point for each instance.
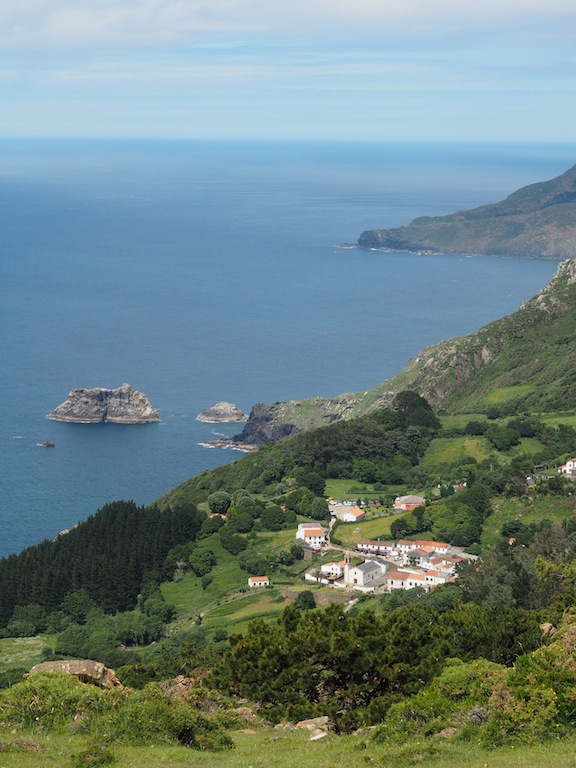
(222, 413)
(92, 672)
(124, 405)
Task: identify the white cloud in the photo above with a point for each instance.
(159, 22)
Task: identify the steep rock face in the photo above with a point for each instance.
(222, 413)
(124, 405)
(264, 426)
(537, 221)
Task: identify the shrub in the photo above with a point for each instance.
(150, 716)
(95, 755)
(304, 600)
(50, 700)
(206, 581)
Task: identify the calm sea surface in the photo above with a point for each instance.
(201, 272)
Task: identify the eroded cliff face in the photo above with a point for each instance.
(124, 405)
(265, 425)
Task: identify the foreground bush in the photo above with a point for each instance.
(531, 702)
(58, 701)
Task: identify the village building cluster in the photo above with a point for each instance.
(387, 565)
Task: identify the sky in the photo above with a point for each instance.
(369, 70)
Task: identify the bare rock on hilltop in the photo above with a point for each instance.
(124, 405)
(87, 671)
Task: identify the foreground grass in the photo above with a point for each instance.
(267, 747)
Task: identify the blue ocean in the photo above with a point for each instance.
(200, 272)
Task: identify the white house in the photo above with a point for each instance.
(352, 515)
(569, 468)
(255, 582)
(405, 546)
(417, 557)
(433, 578)
(440, 547)
(408, 503)
(333, 570)
(376, 547)
(445, 562)
(405, 580)
(364, 575)
(311, 534)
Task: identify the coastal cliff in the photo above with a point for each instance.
(124, 405)
(535, 346)
(537, 221)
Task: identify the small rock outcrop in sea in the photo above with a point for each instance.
(221, 413)
(124, 405)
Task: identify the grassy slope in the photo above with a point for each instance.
(507, 510)
(534, 345)
(264, 747)
(351, 533)
(223, 603)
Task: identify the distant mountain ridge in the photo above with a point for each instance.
(536, 221)
(530, 356)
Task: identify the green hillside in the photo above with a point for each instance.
(524, 360)
(537, 221)
(484, 666)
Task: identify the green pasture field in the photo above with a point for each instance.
(459, 420)
(234, 616)
(554, 419)
(366, 529)
(21, 651)
(187, 595)
(344, 489)
(553, 508)
(456, 450)
(528, 445)
(505, 394)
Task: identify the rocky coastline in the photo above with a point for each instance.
(536, 221)
(230, 445)
(124, 405)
